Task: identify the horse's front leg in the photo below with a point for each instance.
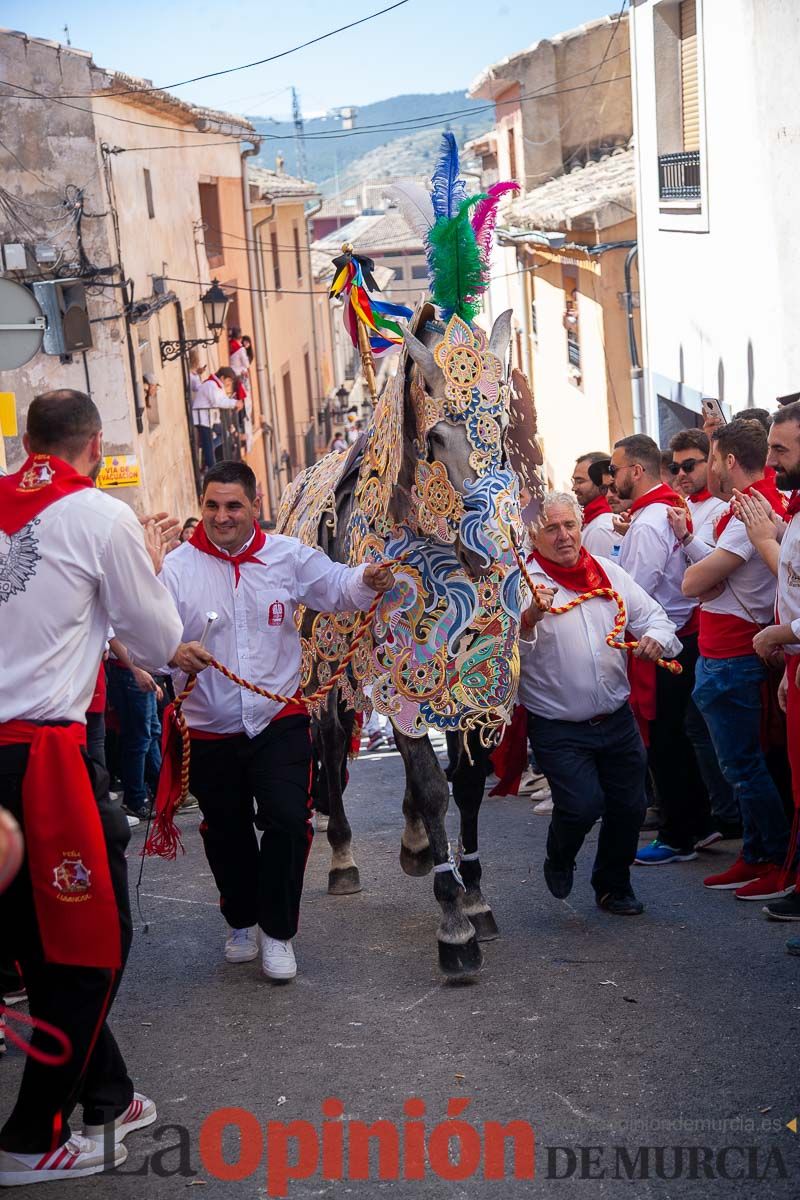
(469, 781)
(459, 952)
(335, 730)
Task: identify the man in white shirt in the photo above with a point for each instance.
(651, 554)
(738, 593)
(245, 748)
(72, 562)
(215, 393)
(599, 535)
(575, 689)
(778, 545)
(689, 469)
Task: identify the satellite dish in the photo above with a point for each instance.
(22, 325)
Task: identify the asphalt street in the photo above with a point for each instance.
(610, 1037)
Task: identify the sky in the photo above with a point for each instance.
(423, 46)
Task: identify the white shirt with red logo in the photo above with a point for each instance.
(80, 566)
(705, 514)
(789, 580)
(255, 634)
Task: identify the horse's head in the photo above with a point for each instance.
(464, 489)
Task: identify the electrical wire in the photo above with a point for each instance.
(430, 122)
(259, 62)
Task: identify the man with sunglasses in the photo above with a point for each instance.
(689, 470)
(690, 453)
(652, 555)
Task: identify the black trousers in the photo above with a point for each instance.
(243, 784)
(75, 1000)
(596, 773)
(683, 798)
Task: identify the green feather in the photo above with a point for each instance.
(457, 269)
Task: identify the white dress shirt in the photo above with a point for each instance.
(705, 514)
(208, 397)
(255, 634)
(652, 555)
(568, 672)
(600, 537)
(239, 361)
(789, 580)
(79, 567)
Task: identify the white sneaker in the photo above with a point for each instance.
(529, 782)
(545, 805)
(277, 958)
(321, 822)
(140, 1113)
(132, 820)
(77, 1157)
(241, 945)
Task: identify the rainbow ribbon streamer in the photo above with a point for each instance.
(352, 279)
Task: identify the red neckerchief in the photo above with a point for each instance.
(699, 497)
(233, 345)
(76, 909)
(594, 509)
(41, 480)
(793, 505)
(766, 487)
(585, 576)
(662, 495)
(200, 541)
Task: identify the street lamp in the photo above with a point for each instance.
(342, 396)
(215, 304)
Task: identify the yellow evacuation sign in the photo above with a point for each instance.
(119, 470)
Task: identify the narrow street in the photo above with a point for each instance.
(597, 1031)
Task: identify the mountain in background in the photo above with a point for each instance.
(337, 162)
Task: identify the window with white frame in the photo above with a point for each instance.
(679, 106)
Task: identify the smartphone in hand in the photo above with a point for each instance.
(712, 408)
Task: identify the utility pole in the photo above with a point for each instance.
(299, 134)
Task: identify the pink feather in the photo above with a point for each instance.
(485, 215)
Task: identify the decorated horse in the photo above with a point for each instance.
(433, 487)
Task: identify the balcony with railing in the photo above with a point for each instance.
(679, 176)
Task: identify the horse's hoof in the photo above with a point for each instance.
(416, 862)
(343, 881)
(485, 925)
(460, 959)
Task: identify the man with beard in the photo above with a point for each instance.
(738, 593)
(599, 535)
(652, 555)
(575, 689)
(689, 470)
(779, 546)
(75, 562)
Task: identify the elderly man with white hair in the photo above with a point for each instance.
(575, 689)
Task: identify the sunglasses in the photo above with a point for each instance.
(614, 471)
(688, 465)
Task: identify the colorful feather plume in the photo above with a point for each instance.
(352, 278)
(457, 268)
(484, 218)
(449, 192)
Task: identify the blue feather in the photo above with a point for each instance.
(448, 189)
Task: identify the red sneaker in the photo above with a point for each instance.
(770, 886)
(737, 876)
